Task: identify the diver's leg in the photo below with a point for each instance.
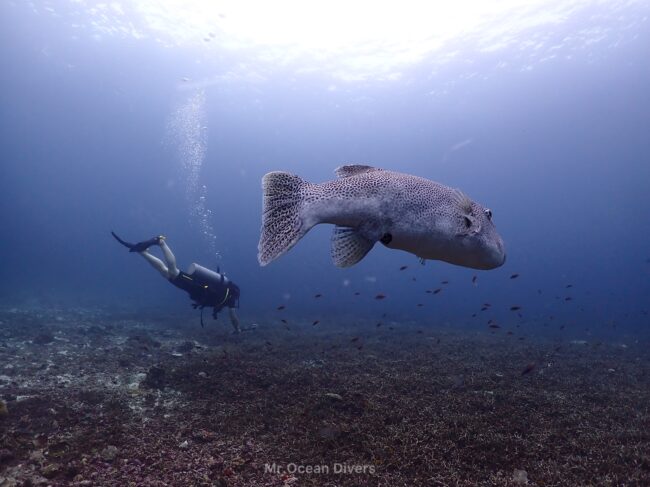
(172, 270)
(157, 264)
(234, 320)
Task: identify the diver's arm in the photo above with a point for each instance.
(172, 270)
(156, 263)
(234, 320)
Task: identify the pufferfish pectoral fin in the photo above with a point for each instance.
(349, 246)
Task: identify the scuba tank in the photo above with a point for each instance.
(210, 280)
(207, 277)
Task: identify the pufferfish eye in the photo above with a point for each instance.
(488, 212)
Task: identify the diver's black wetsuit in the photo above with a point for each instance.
(217, 296)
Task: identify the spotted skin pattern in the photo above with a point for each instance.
(368, 205)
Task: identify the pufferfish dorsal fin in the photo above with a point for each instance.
(353, 170)
(463, 202)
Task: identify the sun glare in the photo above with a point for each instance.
(355, 36)
(353, 39)
(335, 25)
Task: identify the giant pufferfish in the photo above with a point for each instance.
(370, 205)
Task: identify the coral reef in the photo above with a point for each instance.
(116, 399)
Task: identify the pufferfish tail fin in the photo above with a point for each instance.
(282, 220)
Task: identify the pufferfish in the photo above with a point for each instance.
(370, 205)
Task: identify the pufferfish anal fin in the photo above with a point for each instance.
(354, 170)
(349, 246)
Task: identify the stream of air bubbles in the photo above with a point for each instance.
(187, 128)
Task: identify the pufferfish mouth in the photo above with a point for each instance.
(497, 259)
(488, 257)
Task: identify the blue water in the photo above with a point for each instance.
(104, 131)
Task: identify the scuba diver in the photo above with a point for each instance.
(206, 288)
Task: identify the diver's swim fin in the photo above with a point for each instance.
(140, 246)
(126, 244)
